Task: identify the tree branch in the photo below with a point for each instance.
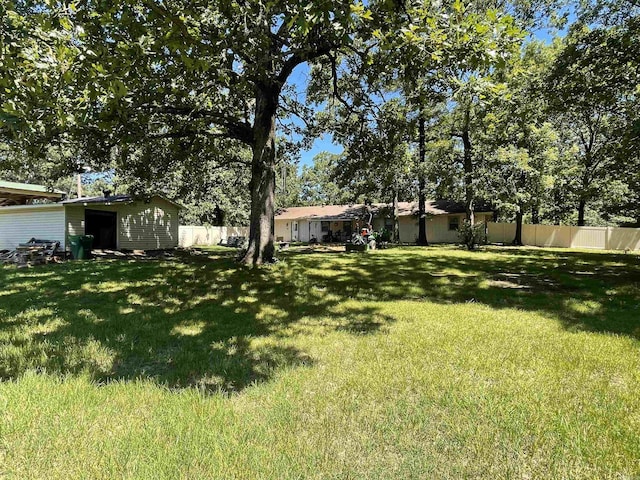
(235, 129)
(334, 79)
(187, 133)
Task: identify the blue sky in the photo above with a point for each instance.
(320, 145)
(299, 78)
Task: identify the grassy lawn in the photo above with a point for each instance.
(403, 363)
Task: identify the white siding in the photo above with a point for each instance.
(283, 230)
(315, 230)
(20, 224)
(408, 229)
(438, 229)
(303, 230)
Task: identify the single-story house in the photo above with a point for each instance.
(117, 222)
(306, 223)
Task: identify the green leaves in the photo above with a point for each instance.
(359, 10)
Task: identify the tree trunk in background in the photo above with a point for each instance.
(535, 214)
(581, 208)
(396, 222)
(518, 238)
(422, 201)
(263, 180)
(469, 193)
(219, 213)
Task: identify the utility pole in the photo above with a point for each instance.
(79, 180)
(284, 180)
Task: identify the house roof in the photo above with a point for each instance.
(357, 211)
(333, 212)
(14, 193)
(111, 200)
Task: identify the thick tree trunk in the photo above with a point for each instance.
(396, 221)
(469, 193)
(581, 207)
(263, 180)
(422, 200)
(518, 238)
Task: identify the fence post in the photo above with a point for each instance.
(607, 239)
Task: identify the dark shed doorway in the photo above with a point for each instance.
(104, 228)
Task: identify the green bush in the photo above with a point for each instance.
(472, 235)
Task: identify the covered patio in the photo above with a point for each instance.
(13, 193)
(333, 230)
(321, 224)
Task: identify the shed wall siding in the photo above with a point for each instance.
(141, 226)
(19, 226)
(74, 220)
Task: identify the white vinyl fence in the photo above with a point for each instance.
(190, 235)
(603, 238)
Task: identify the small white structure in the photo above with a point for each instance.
(117, 222)
(338, 222)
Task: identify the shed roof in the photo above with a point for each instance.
(112, 200)
(356, 211)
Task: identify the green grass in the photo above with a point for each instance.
(403, 363)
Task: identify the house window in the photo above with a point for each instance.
(388, 224)
(324, 227)
(454, 223)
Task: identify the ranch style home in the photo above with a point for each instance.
(338, 222)
(117, 222)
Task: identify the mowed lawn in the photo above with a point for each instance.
(401, 363)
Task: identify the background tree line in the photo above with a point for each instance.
(548, 131)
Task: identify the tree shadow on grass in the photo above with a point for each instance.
(597, 292)
(200, 322)
(205, 322)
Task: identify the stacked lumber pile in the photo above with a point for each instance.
(34, 252)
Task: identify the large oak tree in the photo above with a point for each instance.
(113, 76)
